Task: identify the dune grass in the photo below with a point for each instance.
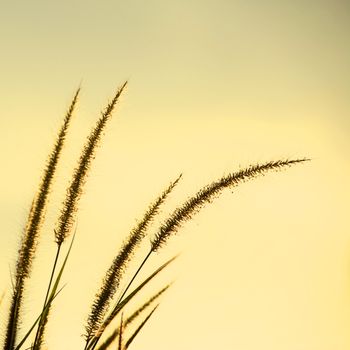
(105, 308)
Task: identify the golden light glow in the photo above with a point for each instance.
(212, 86)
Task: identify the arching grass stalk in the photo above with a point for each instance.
(30, 237)
(192, 206)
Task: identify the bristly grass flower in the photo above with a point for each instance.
(30, 236)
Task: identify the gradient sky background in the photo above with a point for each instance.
(213, 85)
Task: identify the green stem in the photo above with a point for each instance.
(47, 295)
(135, 275)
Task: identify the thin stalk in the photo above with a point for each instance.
(13, 319)
(52, 297)
(135, 275)
(47, 293)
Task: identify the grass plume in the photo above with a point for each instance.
(209, 192)
(74, 191)
(35, 219)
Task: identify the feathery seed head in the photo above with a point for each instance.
(74, 191)
(209, 192)
(36, 215)
(30, 237)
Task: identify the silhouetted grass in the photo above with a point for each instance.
(30, 236)
(105, 307)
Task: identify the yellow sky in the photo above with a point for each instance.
(214, 85)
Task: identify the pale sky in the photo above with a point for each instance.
(213, 86)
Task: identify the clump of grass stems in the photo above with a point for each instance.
(105, 307)
(30, 236)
